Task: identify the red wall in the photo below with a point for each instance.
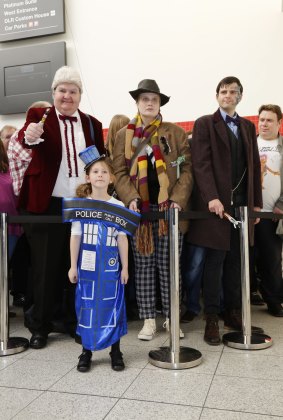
(188, 125)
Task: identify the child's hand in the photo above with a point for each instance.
(73, 275)
(124, 276)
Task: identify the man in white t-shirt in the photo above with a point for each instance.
(267, 242)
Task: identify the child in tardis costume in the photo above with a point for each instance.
(99, 265)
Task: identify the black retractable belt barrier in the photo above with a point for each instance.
(173, 357)
(8, 345)
(246, 340)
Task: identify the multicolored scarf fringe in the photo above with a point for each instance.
(135, 134)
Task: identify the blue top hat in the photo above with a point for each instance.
(90, 155)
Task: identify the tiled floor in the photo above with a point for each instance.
(229, 384)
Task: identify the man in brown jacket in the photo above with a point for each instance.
(226, 167)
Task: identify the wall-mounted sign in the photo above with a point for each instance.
(30, 18)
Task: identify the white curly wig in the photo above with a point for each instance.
(67, 74)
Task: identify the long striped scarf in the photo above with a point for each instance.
(135, 134)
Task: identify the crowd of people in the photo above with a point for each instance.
(147, 165)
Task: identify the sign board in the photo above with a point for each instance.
(30, 18)
(26, 75)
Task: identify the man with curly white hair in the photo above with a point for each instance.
(56, 135)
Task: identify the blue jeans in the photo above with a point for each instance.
(192, 264)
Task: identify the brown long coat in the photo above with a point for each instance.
(179, 189)
(212, 168)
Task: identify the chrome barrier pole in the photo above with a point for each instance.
(8, 345)
(246, 340)
(174, 357)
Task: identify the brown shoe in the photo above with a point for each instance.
(233, 321)
(211, 334)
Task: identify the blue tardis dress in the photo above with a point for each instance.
(100, 303)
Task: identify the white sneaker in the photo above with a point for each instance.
(166, 325)
(148, 330)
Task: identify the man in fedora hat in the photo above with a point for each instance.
(153, 172)
(56, 135)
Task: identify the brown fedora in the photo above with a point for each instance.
(149, 85)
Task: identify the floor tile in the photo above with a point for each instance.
(247, 395)
(208, 414)
(101, 380)
(9, 360)
(132, 337)
(52, 405)
(195, 340)
(251, 365)
(33, 374)
(14, 400)
(133, 410)
(59, 347)
(135, 356)
(176, 387)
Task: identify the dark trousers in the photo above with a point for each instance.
(223, 269)
(269, 261)
(20, 266)
(192, 265)
(50, 260)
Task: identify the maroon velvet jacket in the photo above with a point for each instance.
(41, 175)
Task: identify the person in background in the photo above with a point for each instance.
(226, 170)
(56, 135)
(192, 265)
(19, 159)
(8, 200)
(107, 322)
(117, 122)
(152, 166)
(5, 135)
(268, 244)
(19, 156)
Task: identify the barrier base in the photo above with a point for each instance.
(13, 345)
(166, 359)
(238, 340)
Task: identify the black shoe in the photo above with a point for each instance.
(84, 361)
(211, 334)
(117, 362)
(38, 341)
(233, 321)
(256, 299)
(275, 309)
(188, 316)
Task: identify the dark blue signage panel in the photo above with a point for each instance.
(30, 18)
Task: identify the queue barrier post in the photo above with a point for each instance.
(246, 340)
(8, 345)
(174, 357)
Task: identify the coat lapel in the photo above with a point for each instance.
(221, 128)
(245, 136)
(86, 128)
